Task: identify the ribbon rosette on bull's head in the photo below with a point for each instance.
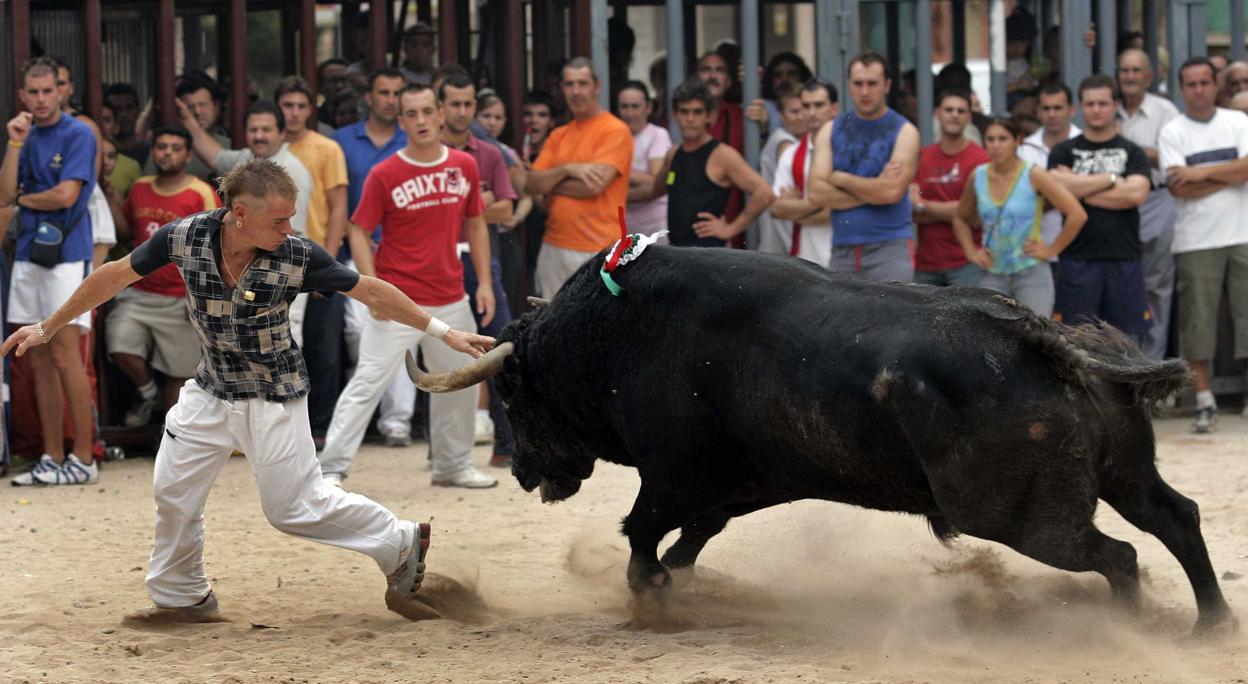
(626, 249)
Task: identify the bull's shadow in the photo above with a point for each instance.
(735, 381)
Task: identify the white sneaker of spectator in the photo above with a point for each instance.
(27, 478)
(70, 472)
(141, 414)
(470, 478)
(396, 439)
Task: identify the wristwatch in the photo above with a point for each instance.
(921, 207)
(1113, 179)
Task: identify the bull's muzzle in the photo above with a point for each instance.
(481, 369)
(558, 490)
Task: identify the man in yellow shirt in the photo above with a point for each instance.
(327, 220)
(583, 168)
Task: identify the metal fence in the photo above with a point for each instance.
(127, 45)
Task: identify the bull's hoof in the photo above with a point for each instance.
(1214, 624)
(651, 583)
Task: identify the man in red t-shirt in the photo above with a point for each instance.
(422, 197)
(944, 169)
(149, 321)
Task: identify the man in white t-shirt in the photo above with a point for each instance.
(812, 227)
(266, 127)
(1204, 156)
(1057, 115)
(775, 235)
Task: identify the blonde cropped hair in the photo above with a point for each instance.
(257, 178)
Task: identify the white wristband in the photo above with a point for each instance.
(437, 328)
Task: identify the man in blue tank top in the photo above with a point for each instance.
(863, 165)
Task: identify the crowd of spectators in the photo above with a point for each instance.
(1135, 216)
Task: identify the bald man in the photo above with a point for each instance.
(1233, 80)
(1141, 116)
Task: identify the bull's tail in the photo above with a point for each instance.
(1100, 350)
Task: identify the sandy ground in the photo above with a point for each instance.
(809, 592)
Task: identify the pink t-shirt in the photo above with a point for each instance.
(648, 217)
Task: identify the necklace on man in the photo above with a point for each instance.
(225, 259)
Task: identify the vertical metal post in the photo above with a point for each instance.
(377, 38)
(19, 44)
(996, 55)
(1123, 13)
(1151, 31)
(288, 24)
(513, 76)
(307, 46)
(923, 68)
(1198, 36)
(825, 38)
(836, 40)
(448, 47)
(94, 95)
(675, 59)
(598, 50)
(236, 23)
(1237, 30)
(582, 31)
(424, 11)
(166, 113)
(747, 13)
(1076, 57)
(1107, 35)
(1185, 37)
(959, 31)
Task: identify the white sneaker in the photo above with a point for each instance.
(484, 428)
(27, 478)
(470, 478)
(71, 472)
(333, 479)
(406, 580)
(397, 439)
(142, 414)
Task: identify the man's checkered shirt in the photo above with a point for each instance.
(248, 349)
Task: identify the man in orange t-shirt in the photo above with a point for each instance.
(584, 169)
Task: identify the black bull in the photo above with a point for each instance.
(735, 381)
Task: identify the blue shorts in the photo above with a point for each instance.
(1108, 290)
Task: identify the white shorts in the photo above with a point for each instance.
(35, 292)
(155, 327)
(555, 265)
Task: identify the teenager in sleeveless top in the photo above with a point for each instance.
(1005, 202)
(698, 176)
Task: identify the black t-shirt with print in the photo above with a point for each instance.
(1109, 233)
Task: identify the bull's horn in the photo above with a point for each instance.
(481, 369)
(538, 302)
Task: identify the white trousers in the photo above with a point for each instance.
(201, 431)
(452, 415)
(398, 405)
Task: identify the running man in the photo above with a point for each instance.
(243, 267)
